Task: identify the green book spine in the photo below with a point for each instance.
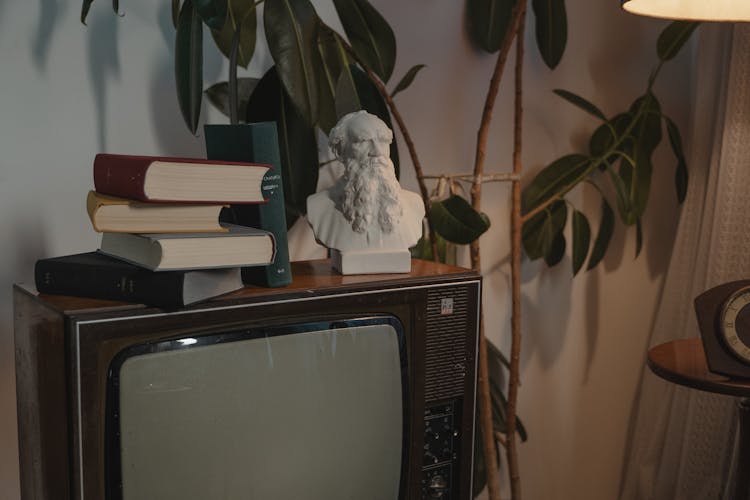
(256, 142)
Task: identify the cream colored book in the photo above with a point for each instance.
(120, 215)
(238, 247)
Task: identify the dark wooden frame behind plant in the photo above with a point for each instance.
(319, 75)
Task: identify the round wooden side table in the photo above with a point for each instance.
(683, 362)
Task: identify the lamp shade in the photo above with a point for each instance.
(694, 10)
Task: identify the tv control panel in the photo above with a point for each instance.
(441, 444)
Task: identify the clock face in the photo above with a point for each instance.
(735, 324)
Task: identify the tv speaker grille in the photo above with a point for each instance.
(445, 346)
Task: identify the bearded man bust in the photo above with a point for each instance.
(365, 218)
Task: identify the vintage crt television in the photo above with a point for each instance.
(336, 387)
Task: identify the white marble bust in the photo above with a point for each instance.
(365, 211)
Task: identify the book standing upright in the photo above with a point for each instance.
(256, 142)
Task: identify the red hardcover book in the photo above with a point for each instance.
(181, 180)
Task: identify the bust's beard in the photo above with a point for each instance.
(371, 193)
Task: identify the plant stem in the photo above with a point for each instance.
(653, 76)
(483, 383)
(500, 177)
(516, 224)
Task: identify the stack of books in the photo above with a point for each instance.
(164, 240)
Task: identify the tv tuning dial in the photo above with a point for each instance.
(438, 486)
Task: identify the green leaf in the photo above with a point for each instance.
(581, 240)
(604, 235)
(297, 142)
(555, 180)
(489, 20)
(175, 12)
(456, 221)
(638, 237)
(681, 172)
(85, 7)
(540, 232)
(556, 250)
(291, 32)
(636, 151)
(496, 360)
(551, 30)
(672, 39)
(374, 103)
(423, 249)
(681, 179)
(244, 15)
(370, 35)
(601, 140)
(621, 191)
(647, 135)
(581, 103)
(606, 137)
(347, 96)
(189, 64)
(335, 81)
(218, 94)
(629, 178)
(497, 363)
(213, 12)
(332, 53)
(407, 79)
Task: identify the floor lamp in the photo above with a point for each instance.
(691, 10)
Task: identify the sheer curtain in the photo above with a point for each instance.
(682, 440)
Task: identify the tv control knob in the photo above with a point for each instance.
(438, 486)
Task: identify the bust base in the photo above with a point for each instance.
(371, 261)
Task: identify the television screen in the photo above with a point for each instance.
(303, 411)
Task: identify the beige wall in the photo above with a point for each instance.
(64, 98)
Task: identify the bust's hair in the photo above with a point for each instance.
(337, 136)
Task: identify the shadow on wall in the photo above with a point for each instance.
(104, 67)
(546, 316)
(618, 59)
(171, 132)
(104, 64)
(613, 258)
(50, 12)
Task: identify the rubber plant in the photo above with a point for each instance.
(319, 74)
